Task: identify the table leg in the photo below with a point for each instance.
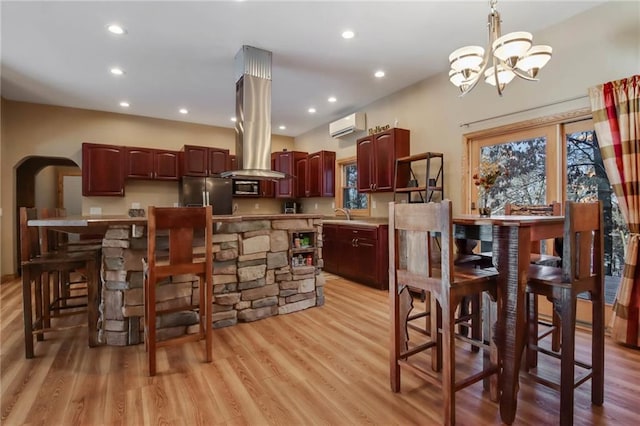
(513, 244)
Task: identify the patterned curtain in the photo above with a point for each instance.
(616, 117)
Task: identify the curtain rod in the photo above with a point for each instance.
(523, 110)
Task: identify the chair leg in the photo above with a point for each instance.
(448, 368)
(39, 324)
(394, 349)
(476, 321)
(27, 313)
(532, 330)
(208, 323)
(46, 299)
(597, 349)
(567, 358)
(151, 325)
(436, 323)
(555, 334)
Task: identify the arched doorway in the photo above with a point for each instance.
(26, 187)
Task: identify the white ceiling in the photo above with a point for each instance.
(181, 54)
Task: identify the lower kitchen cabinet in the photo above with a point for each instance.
(359, 253)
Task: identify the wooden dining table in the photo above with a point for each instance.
(511, 238)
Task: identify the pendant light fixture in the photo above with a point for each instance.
(506, 57)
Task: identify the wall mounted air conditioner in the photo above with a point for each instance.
(346, 125)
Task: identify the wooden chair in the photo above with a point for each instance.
(412, 266)
(184, 226)
(581, 272)
(40, 276)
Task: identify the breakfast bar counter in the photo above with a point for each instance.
(260, 270)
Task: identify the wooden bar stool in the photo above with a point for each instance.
(183, 226)
(40, 271)
(581, 273)
(413, 264)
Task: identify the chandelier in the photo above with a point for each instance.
(507, 56)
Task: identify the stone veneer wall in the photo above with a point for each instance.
(252, 279)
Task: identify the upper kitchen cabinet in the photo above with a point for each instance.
(103, 170)
(321, 174)
(149, 163)
(204, 161)
(316, 175)
(285, 162)
(376, 157)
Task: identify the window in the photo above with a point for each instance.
(348, 195)
(551, 161)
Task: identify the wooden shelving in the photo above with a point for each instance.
(432, 185)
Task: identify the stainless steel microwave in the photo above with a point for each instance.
(246, 187)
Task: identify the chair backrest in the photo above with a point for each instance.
(551, 209)
(413, 228)
(188, 230)
(582, 256)
(29, 235)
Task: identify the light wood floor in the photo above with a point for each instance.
(325, 365)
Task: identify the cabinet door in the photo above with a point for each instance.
(233, 162)
(139, 163)
(302, 178)
(195, 161)
(267, 188)
(321, 174)
(102, 170)
(218, 160)
(384, 154)
(165, 165)
(330, 248)
(366, 260)
(364, 162)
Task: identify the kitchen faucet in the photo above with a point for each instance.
(345, 211)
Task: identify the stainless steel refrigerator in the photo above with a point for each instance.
(203, 191)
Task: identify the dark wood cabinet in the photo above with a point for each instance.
(301, 182)
(204, 161)
(149, 163)
(285, 162)
(321, 174)
(103, 170)
(358, 253)
(376, 156)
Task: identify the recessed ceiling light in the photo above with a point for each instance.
(124, 104)
(379, 74)
(282, 127)
(347, 34)
(116, 29)
(116, 71)
(183, 111)
(332, 99)
(311, 110)
(234, 119)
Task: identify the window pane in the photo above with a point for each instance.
(587, 181)
(351, 198)
(526, 182)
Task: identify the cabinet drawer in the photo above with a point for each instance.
(364, 232)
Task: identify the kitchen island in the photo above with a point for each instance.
(260, 270)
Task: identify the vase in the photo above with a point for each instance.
(485, 210)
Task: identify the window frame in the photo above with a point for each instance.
(341, 163)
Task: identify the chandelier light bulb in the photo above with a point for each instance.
(536, 58)
(505, 76)
(468, 57)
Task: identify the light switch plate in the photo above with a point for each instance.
(95, 211)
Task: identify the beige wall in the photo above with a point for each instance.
(597, 46)
(50, 131)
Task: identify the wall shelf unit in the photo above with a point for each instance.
(431, 188)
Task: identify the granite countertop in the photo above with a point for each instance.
(101, 222)
(372, 222)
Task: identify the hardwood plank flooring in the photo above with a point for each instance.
(326, 365)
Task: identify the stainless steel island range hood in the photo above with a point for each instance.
(253, 115)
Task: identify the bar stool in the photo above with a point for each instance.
(581, 273)
(184, 227)
(413, 265)
(39, 271)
